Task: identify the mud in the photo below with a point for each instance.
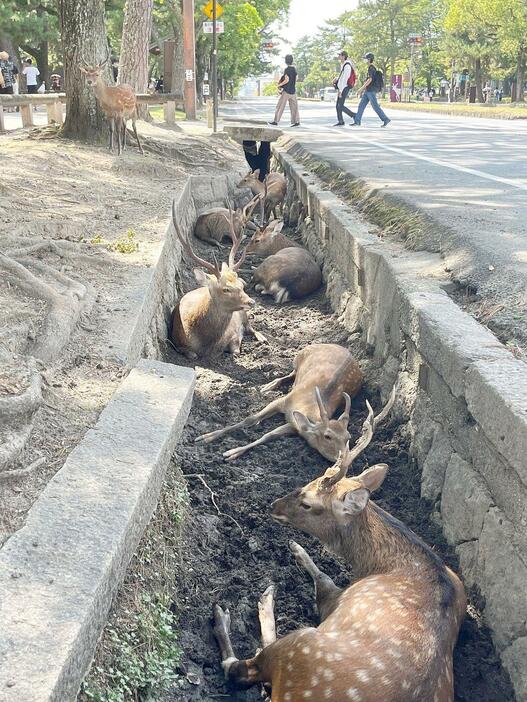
(233, 550)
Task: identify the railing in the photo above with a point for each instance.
(54, 106)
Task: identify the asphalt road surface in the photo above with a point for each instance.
(468, 174)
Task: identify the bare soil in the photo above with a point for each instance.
(54, 190)
(232, 550)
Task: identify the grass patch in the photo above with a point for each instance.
(466, 110)
(158, 114)
(136, 658)
(125, 244)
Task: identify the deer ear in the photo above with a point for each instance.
(257, 173)
(202, 277)
(372, 478)
(302, 423)
(278, 228)
(353, 502)
(82, 69)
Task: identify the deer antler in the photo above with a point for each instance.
(212, 267)
(249, 209)
(236, 241)
(321, 406)
(346, 414)
(347, 457)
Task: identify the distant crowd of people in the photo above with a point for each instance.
(343, 83)
(10, 77)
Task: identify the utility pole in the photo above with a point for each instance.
(189, 58)
(214, 68)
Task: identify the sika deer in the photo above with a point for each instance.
(389, 636)
(274, 189)
(213, 225)
(268, 240)
(212, 318)
(118, 102)
(290, 274)
(323, 373)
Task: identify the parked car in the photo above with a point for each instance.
(327, 93)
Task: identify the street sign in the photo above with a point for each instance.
(208, 27)
(267, 45)
(415, 39)
(209, 10)
(189, 75)
(206, 89)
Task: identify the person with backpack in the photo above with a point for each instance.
(344, 83)
(373, 84)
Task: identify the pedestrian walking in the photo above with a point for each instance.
(287, 89)
(344, 83)
(31, 73)
(373, 84)
(9, 72)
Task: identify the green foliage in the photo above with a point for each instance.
(125, 244)
(142, 657)
(270, 90)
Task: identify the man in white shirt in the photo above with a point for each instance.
(343, 85)
(31, 72)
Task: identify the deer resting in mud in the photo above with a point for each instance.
(323, 375)
(212, 318)
(290, 274)
(269, 240)
(389, 636)
(213, 225)
(273, 189)
(118, 103)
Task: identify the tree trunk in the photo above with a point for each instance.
(178, 75)
(478, 80)
(133, 63)
(520, 76)
(83, 37)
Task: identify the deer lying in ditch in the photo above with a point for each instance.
(323, 375)
(268, 240)
(273, 189)
(213, 225)
(212, 318)
(118, 103)
(290, 274)
(389, 636)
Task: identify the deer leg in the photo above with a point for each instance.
(137, 137)
(123, 130)
(266, 616)
(284, 430)
(250, 421)
(326, 592)
(245, 672)
(111, 127)
(278, 382)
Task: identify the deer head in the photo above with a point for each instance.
(263, 239)
(332, 502)
(94, 72)
(328, 436)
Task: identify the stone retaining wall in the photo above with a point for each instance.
(463, 392)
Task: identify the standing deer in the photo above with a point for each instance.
(118, 103)
(389, 636)
(323, 374)
(213, 225)
(212, 318)
(274, 189)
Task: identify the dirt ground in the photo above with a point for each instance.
(54, 190)
(232, 549)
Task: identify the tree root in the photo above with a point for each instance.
(65, 302)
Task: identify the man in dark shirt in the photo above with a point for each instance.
(369, 91)
(287, 89)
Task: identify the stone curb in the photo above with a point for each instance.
(60, 571)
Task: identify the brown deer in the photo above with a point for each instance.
(213, 225)
(323, 374)
(389, 636)
(212, 318)
(290, 274)
(274, 189)
(269, 239)
(118, 103)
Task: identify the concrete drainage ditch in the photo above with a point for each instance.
(457, 440)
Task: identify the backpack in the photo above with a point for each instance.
(378, 83)
(353, 76)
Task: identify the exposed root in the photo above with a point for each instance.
(213, 497)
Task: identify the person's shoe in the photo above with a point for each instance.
(274, 124)
(296, 124)
(354, 124)
(385, 123)
(338, 124)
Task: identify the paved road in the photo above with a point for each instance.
(469, 175)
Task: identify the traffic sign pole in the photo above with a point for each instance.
(214, 68)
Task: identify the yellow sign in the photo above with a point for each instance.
(208, 10)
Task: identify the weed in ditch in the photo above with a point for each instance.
(125, 244)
